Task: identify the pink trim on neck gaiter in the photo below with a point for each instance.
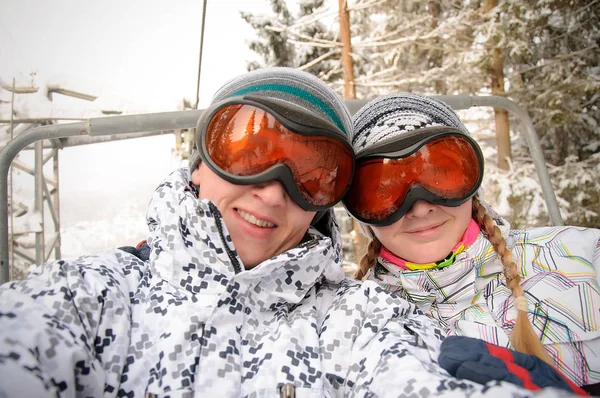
(467, 240)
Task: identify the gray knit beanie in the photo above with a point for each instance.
(290, 85)
(391, 115)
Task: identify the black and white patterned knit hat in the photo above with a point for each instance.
(290, 85)
(391, 115)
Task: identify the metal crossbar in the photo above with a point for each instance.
(114, 127)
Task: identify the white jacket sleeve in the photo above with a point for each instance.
(64, 331)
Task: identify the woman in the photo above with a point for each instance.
(436, 243)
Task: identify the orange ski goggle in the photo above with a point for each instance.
(250, 140)
(441, 165)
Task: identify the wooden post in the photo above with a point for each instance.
(435, 9)
(501, 115)
(359, 240)
(347, 64)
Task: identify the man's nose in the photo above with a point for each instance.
(271, 193)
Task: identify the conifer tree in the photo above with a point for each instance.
(551, 57)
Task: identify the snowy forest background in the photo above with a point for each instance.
(549, 58)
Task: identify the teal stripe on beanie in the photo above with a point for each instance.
(291, 85)
(305, 95)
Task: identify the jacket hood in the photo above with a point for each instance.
(190, 242)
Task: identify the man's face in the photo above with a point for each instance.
(262, 219)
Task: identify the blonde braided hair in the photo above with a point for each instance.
(369, 259)
(523, 337)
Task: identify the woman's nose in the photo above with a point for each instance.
(420, 209)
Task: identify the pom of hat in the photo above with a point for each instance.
(291, 85)
(394, 114)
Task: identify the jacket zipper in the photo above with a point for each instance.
(287, 390)
(216, 213)
(309, 243)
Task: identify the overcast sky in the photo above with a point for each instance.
(142, 51)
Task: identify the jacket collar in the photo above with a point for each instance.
(191, 249)
(423, 285)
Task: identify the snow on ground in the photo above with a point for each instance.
(109, 209)
(125, 227)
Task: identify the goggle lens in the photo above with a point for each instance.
(245, 140)
(448, 167)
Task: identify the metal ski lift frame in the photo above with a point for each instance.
(116, 127)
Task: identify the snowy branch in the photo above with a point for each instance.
(319, 59)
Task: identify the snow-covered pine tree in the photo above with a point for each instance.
(552, 54)
(551, 68)
(300, 39)
(417, 46)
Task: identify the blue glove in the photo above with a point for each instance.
(481, 362)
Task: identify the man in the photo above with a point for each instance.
(243, 293)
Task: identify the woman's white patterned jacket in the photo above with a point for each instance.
(191, 322)
(559, 269)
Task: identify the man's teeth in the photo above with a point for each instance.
(251, 219)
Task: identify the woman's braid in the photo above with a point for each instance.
(523, 337)
(369, 259)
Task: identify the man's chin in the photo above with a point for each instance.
(250, 261)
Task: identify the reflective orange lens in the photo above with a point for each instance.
(245, 140)
(448, 167)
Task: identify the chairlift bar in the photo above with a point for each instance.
(156, 122)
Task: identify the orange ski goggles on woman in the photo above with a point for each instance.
(251, 140)
(441, 165)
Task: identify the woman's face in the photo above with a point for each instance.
(427, 233)
(262, 220)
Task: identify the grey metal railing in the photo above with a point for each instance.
(148, 123)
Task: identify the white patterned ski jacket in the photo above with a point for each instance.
(191, 321)
(560, 280)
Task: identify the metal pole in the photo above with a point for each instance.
(56, 204)
(12, 190)
(535, 149)
(7, 154)
(200, 55)
(38, 205)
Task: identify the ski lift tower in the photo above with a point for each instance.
(34, 215)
